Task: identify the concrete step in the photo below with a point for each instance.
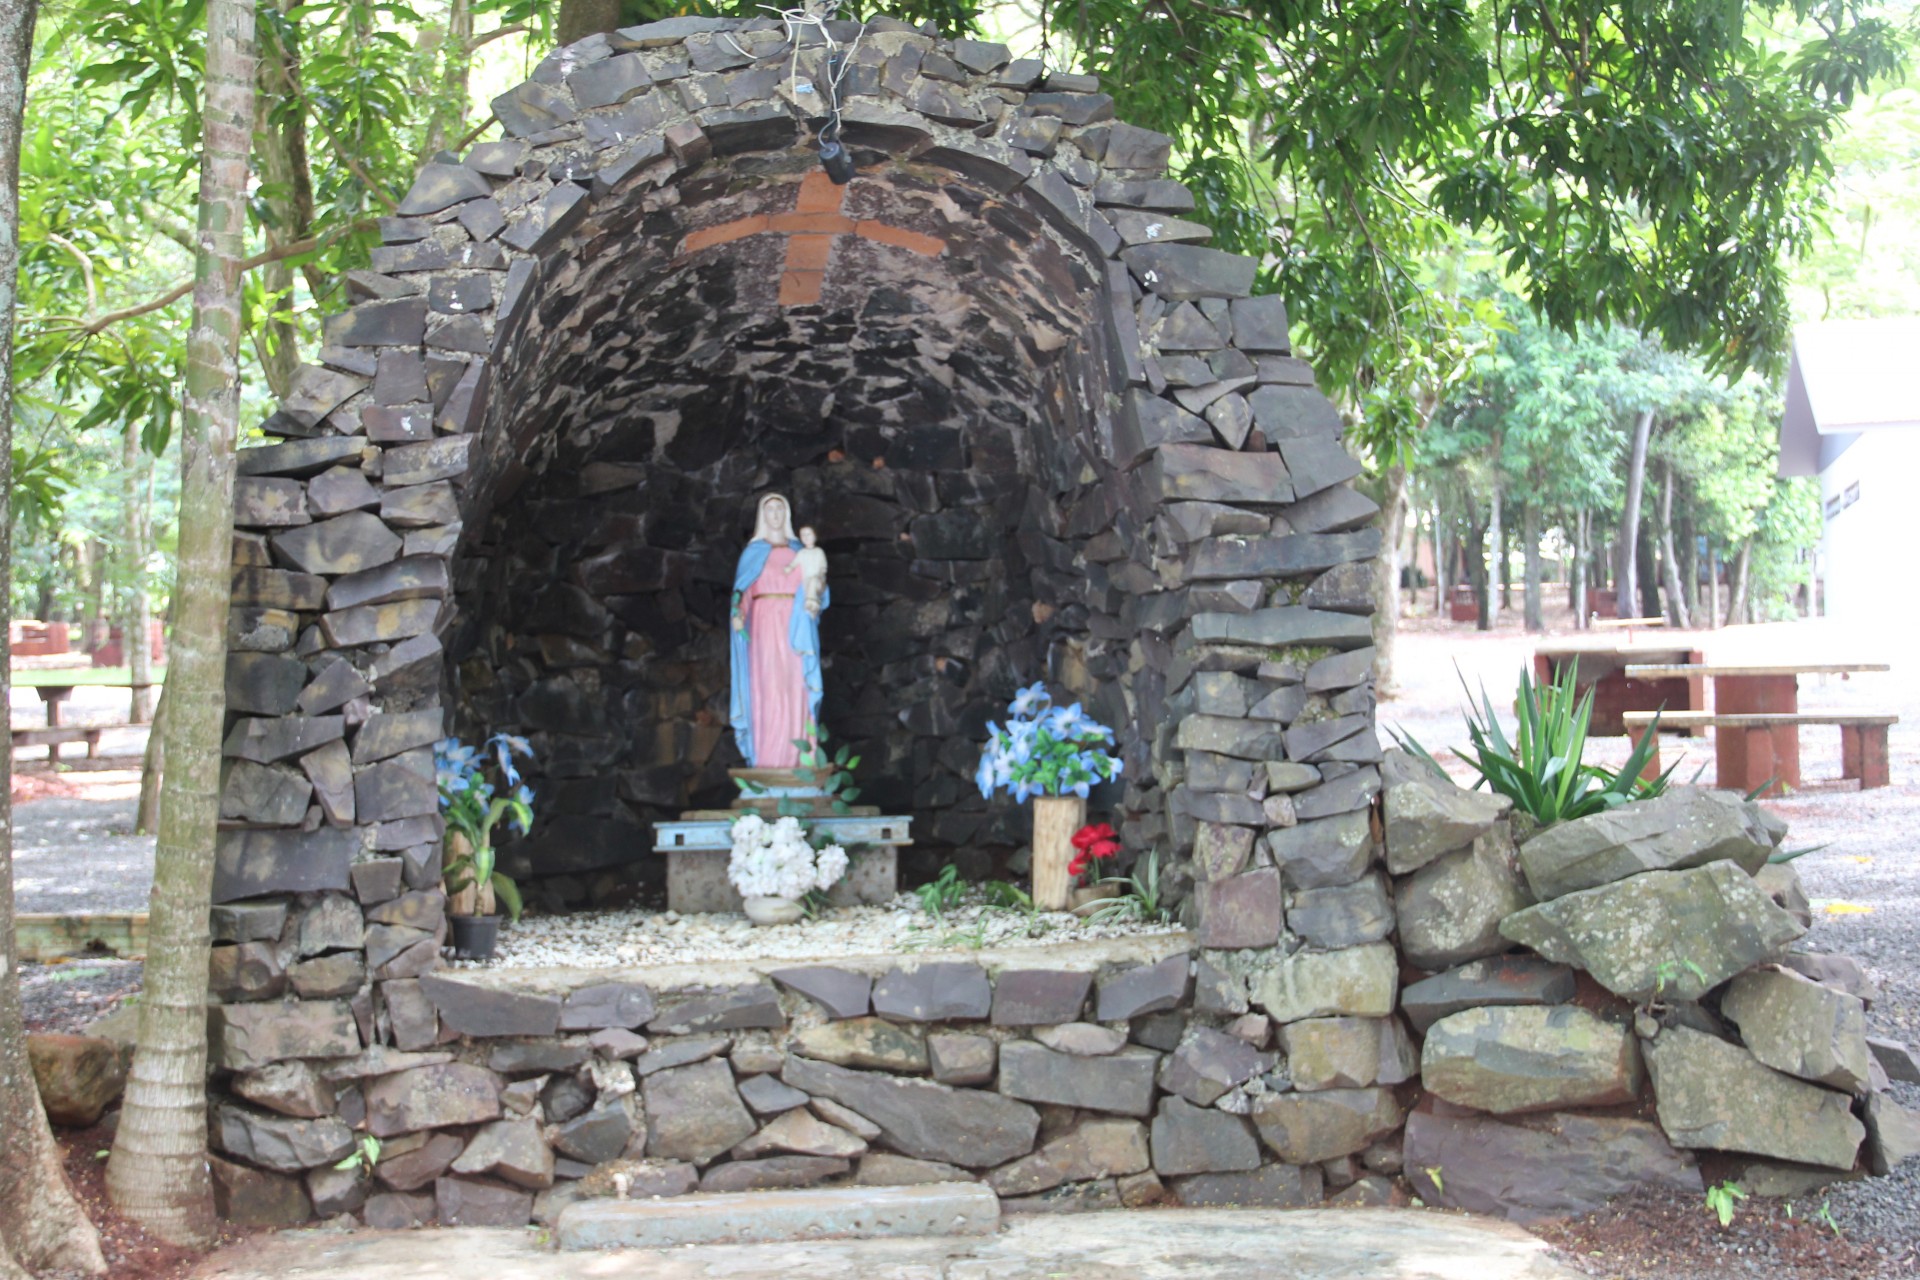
(774, 1217)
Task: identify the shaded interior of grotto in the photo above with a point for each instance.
(919, 387)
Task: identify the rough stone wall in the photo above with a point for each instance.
(1176, 542)
(497, 1105)
(1179, 545)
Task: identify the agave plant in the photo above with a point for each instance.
(1540, 768)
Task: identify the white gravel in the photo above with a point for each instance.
(901, 927)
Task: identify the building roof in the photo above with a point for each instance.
(1847, 376)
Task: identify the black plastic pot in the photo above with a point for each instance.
(474, 936)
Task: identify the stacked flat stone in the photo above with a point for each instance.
(1060, 1088)
(1045, 432)
(1071, 445)
(1691, 1001)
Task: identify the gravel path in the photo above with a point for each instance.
(80, 854)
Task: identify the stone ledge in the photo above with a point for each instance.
(1088, 956)
(767, 1217)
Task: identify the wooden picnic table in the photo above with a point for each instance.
(1754, 689)
(1604, 667)
(55, 687)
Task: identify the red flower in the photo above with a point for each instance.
(1095, 843)
(1088, 836)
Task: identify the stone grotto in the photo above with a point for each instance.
(1046, 434)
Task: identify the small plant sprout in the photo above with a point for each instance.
(1724, 1200)
(366, 1153)
(943, 892)
(1139, 898)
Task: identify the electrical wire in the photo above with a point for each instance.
(816, 15)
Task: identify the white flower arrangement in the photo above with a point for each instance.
(777, 860)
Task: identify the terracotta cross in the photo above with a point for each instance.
(811, 229)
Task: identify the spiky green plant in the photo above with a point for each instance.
(1540, 769)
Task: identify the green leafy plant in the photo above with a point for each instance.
(1669, 972)
(365, 1154)
(943, 892)
(1001, 894)
(472, 809)
(1825, 1217)
(1139, 894)
(1724, 1200)
(1540, 768)
(838, 767)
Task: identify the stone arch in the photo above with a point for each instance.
(1003, 324)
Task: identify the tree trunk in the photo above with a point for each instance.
(153, 767)
(137, 615)
(280, 143)
(1530, 590)
(1627, 545)
(41, 1225)
(1386, 578)
(1579, 569)
(1442, 571)
(1648, 571)
(582, 18)
(1676, 594)
(1476, 568)
(1496, 572)
(449, 118)
(158, 1172)
(1739, 608)
(1689, 562)
(1713, 585)
(1506, 567)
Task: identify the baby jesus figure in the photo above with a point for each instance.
(811, 564)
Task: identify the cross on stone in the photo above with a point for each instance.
(811, 229)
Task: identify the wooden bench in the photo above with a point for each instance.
(52, 738)
(1863, 740)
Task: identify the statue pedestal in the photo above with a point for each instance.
(698, 845)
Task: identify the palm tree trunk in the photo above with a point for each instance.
(1386, 578)
(1627, 545)
(1670, 560)
(41, 1225)
(1441, 569)
(158, 1172)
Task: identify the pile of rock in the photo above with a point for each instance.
(1655, 1006)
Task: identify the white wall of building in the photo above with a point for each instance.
(1870, 503)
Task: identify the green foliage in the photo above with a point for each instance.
(1541, 769)
(365, 1154)
(1604, 151)
(1139, 894)
(943, 892)
(1724, 1199)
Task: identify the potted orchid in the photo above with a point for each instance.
(472, 807)
(775, 866)
(1053, 756)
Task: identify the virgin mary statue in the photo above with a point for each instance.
(776, 645)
